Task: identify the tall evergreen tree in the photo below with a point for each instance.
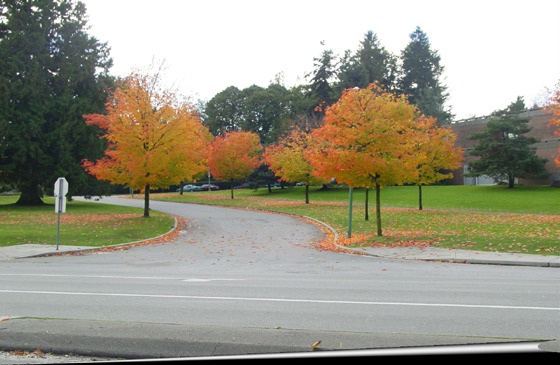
(51, 74)
(420, 77)
(372, 63)
(321, 78)
(350, 73)
(504, 152)
(378, 63)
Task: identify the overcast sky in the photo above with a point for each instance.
(492, 50)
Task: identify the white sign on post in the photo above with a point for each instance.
(60, 191)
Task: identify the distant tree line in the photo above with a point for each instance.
(273, 111)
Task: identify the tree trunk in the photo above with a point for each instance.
(420, 197)
(511, 181)
(30, 196)
(367, 205)
(306, 193)
(232, 188)
(378, 209)
(147, 201)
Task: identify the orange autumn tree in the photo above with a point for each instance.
(234, 156)
(288, 160)
(553, 106)
(433, 153)
(366, 141)
(154, 139)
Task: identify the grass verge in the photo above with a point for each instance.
(488, 218)
(83, 224)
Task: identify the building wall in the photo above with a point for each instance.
(538, 122)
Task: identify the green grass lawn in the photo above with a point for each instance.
(83, 224)
(492, 218)
(522, 199)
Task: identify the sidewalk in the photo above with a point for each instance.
(398, 253)
(463, 256)
(30, 250)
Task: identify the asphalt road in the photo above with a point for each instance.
(239, 282)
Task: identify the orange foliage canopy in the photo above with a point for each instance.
(288, 160)
(433, 152)
(154, 140)
(366, 139)
(234, 155)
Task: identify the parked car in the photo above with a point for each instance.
(212, 187)
(190, 188)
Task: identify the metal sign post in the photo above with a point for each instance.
(60, 191)
(350, 213)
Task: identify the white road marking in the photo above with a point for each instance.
(124, 277)
(285, 300)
